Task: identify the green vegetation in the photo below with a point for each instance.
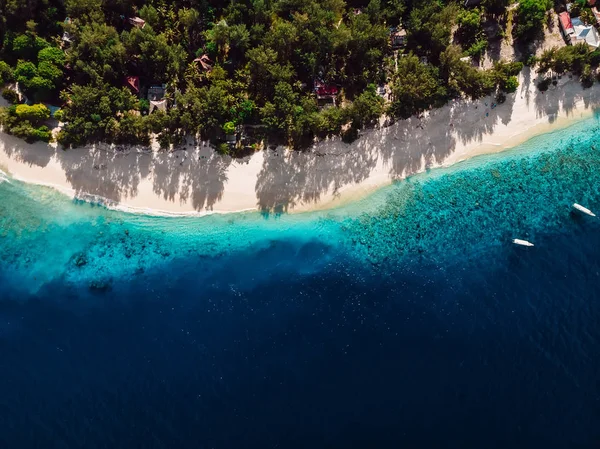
(10, 95)
(6, 73)
(495, 7)
(470, 32)
(298, 70)
(577, 59)
(531, 15)
(229, 128)
(582, 9)
(26, 122)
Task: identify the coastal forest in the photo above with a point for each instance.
(289, 71)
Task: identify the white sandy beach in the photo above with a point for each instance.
(197, 180)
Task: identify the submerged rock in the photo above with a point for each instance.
(80, 260)
(100, 285)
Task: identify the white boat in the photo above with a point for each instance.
(522, 242)
(585, 210)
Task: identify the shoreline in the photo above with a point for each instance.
(197, 181)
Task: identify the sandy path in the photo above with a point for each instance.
(198, 181)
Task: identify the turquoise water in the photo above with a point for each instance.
(408, 316)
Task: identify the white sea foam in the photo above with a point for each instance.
(117, 206)
(3, 177)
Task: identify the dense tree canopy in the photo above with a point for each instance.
(530, 17)
(123, 70)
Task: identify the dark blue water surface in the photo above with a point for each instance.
(385, 330)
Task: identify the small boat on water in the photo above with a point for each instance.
(522, 242)
(585, 210)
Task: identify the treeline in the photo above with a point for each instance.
(260, 62)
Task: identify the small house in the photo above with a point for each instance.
(325, 91)
(585, 34)
(398, 38)
(137, 22)
(156, 98)
(157, 92)
(575, 31)
(566, 26)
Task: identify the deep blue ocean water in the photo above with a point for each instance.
(404, 320)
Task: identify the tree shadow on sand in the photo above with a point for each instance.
(198, 174)
(400, 150)
(38, 154)
(289, 178)
(563, 96)
(109, 174)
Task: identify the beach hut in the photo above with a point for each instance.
(157, 92)
(584, 33)
(575, 31)
(397, 38)
(566, 26)
(325, 91)
(156, 98)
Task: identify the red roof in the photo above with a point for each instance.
(205, 62)
(133, 82)
(323, 90)
(565, 20)
(327, 90)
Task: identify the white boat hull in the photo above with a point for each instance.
(585, 210)
(522, 242)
